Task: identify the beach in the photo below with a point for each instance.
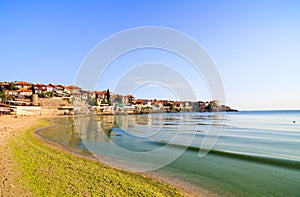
(11, 126)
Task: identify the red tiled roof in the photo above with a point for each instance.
(22, 83)
(72, 87)
(24, 90)
(101, 93)
(58, 86)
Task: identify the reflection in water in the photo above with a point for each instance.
(103, 128)
(66, 134)
(147, 126)
(144, 139)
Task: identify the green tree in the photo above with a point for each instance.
(2, 95)
(12, 86)
(172, 108)
(92, 101)
(108, 97)
(49, 94)
(119, 98)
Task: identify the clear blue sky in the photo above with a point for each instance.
(255, 44)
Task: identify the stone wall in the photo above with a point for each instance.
(54, 103)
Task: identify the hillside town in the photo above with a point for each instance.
(22, 97)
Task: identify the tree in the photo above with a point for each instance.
(91, 101)
(12, 86)
(96, 99)
(2, 95)
(48, 94)
(172, 108)
(108, 97)
(119, 98)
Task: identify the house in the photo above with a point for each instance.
(101, 97)
(50, 88)
(10, 93)
(24, 92)
(90, 94)
(18, 94)
(157, 105)
(23, 85)
(128, 99)
(40, 88)
(84, 94)
(72, 90)
(139, 102)
(59, 90)
(144, 103)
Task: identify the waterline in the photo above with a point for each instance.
(261, 160)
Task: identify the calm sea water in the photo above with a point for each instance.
(255, 153)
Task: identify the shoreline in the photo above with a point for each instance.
(19, 125)
(187, 189)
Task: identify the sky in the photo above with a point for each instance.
(254, 44)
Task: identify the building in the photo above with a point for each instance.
(18, 94)
(59, 90)
(50, 88)
(23, 85)
(55, 89)
(101, 97)
(72, 90)
(24, 92)
(10, 93)
(39, 88)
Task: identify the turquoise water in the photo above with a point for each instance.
(255, 153)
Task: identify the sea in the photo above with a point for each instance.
(246, 153)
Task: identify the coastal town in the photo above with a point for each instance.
(24, 98)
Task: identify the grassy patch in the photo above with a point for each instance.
(47, 171)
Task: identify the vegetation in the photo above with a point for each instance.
(119, 98)
(108, 97)
(49, 94)
(91, 101)
(12, 86)
(2, 95)
(49, 171)
(41, 95)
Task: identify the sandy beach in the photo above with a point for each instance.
(10, 126)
